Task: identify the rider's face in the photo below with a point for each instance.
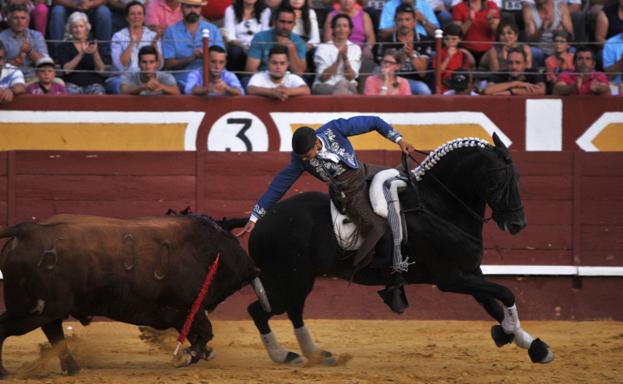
(312, 152)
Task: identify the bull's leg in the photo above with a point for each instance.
(477, 286)
(54, 332)
(309, 348)
(276, 351)
(17, 326)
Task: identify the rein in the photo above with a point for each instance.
(412, 182)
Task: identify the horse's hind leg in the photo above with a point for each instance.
(276, 351)
(54, 332)
(477, 286)
(309, 348)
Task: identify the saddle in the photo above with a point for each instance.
(346, 233)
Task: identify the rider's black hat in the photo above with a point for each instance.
(303, 140)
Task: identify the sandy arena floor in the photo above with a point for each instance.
(369, 351)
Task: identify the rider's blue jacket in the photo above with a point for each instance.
(334, 138)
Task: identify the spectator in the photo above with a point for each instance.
(221, 82)
(460, 83)
(215, 11)
(561, 60)
(541, 19)
(148, 80)
(452, 56)
(11, 79)
(98, 15)
(362, 32)
(425, 16)
(127, 42)
(281, 34)
(609, 22)
(479, 20)
(385, 81)
(306, 22)
(613, 58)
(46, 84)
(243, 19)
(276, 81)
(338, 61)
(585, 81)
(416, 49)
(80, 59)
(507, 35)
(161, 14)
(22, 46)
(37, 9)
(519, 80)
(182, 44)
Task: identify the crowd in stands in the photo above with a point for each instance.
(284, 48)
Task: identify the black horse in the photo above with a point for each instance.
(443, 204)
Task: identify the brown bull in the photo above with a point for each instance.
(144, 271)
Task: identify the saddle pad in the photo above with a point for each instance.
(343, 227)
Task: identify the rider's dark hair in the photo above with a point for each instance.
(303, 140)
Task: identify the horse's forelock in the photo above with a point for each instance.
(438, 154)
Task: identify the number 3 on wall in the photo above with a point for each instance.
(238, 131)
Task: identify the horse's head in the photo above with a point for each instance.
(503, 191)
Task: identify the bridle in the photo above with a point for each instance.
(481, 219)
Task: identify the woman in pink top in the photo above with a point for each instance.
(363, 30)
(385, 82)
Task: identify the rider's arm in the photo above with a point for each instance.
(363, 124)
(278, 187)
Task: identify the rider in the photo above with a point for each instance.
(328, 155)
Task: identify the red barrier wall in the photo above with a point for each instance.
(572, 198)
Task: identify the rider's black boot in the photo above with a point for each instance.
(394, 293)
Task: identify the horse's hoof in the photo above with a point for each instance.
(324, 358)
(293, 359)
(500, 337)
(539, 352)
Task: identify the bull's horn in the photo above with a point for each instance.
(261, 293)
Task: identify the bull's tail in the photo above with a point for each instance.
(18, 230)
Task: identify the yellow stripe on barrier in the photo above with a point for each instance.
(92, 136)
(610, 138)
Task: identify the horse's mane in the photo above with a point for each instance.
(435, 156)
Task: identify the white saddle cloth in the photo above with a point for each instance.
(345, 230)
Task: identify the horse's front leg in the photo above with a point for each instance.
(486, 293)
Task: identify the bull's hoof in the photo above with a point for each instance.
(500, 337)
(70, 366)
(323, 358)
(208, 354)
(539, 352)
(293, 359)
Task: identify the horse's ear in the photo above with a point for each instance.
(501, 147)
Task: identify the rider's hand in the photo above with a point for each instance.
(405, 147)
(247, 229)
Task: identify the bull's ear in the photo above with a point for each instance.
(500, 147)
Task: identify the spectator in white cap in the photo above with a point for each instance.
(46, 83)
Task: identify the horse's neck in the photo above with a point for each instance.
(454, 187)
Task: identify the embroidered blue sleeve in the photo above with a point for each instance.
(278, 187)
(363, 124)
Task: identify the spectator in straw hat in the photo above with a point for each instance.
(182, 44)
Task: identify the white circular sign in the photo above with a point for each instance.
(238, 131)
